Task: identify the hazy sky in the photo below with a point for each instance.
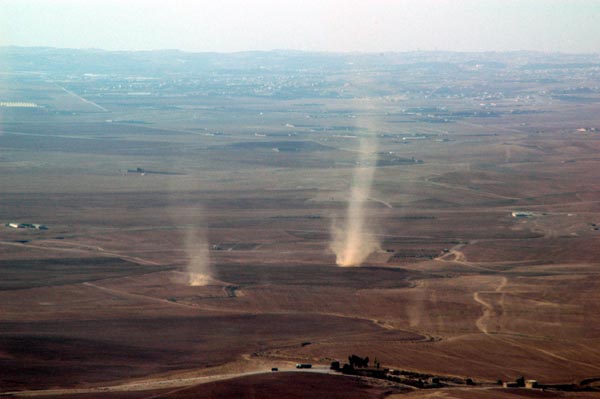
(328, 25)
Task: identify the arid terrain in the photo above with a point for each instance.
(484, 207)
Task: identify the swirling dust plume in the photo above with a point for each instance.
(353, 241)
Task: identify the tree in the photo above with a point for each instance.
(357, 361)
(521, 381)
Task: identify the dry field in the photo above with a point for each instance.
(459, 287)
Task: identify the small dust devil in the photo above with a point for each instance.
(199, 269)
(354, 241)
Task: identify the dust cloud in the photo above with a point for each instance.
(198, 257)
(188, 213)
(353, 241)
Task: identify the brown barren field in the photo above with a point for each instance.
(457, 288)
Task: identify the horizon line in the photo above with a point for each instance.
(339, 52)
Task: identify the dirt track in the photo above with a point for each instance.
(157, 383)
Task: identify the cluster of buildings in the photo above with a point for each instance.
(17, 104)
(522, 214)
(521, 383)
(35, 226)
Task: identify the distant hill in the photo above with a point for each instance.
(95, 61)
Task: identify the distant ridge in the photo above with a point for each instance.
(79, 61)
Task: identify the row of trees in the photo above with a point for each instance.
(355, 361)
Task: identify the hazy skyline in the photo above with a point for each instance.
(325, 25)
